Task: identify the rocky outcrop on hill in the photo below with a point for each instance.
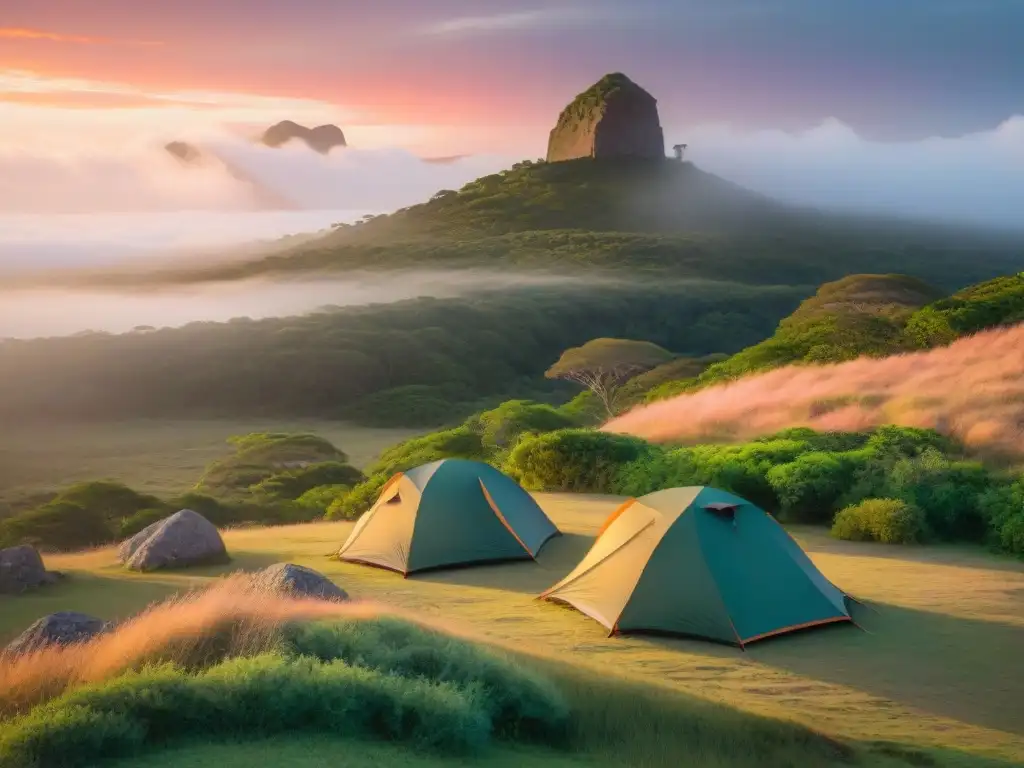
(615, 117)
(323, 138)
(297, 581)
(185, 538)
(184, 153)
(62, 628)
(22, 569)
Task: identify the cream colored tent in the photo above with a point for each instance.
(699, 562)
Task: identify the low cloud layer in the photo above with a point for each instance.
(978, 178)
(146, 179)
(136, 198)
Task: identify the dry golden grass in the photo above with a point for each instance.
(936, 666)
(973, 389)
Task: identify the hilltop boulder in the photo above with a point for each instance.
(185, 538)
(184, 153)
(62, 628)
(22, 569)
(615, 117)
(322, 139)
(297, 581)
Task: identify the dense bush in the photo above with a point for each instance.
(1003, 505)
(352, 504)
(59, 525)
(986, 305)
(292, 484)
(574, 460)
(501, 427)
(129, 526)
(810, 487)
(890, 521)
(458, 443)
(319, 499)
(259, 456)
(519, 703)
(948, 490)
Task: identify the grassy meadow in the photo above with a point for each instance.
(932, 667)
(161, 457)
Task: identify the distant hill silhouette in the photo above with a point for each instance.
(322, 139)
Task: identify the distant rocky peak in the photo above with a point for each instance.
(615, 117)
(322, 139)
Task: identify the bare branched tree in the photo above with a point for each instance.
(604, 365)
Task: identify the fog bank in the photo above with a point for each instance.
(972, 179)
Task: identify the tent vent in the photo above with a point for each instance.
(396, 499)
(722, 509)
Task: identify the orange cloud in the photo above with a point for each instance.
(16, 33)
(98, 100)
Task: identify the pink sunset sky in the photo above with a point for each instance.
(453, 76)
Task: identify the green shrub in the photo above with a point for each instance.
(291, 484)
(809, 488)
(1003, 506)
(894, 440)
(948, 491)
(242, 697)
(743, 469)
(358, 500)
(821, 441)
(653, 470)
(261, 455)
(320, 498)
(573, 460)
(584, 409)
(59, 525)
(890, 521)
(141, 519)
(218, 512)
(459, 443)
(520, 703)
(501, 427)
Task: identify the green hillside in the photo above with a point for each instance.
(655, 216)
(410, 363)
(873, 315)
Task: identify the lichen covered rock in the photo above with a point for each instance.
(297, 581)
(62, 628)
(185, 538)
(22, 569)
(613, 118)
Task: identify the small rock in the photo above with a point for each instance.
(63, 628)
(185, 538)
(22, 569)
(297, 581)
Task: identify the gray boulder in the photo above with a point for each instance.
(185, 538)
(22, 569)
(63, 628)
(297, 581)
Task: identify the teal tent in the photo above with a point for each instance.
(703, 563)
(447, 513)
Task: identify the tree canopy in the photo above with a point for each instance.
(604, 365)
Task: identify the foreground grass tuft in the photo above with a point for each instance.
(265, 695)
